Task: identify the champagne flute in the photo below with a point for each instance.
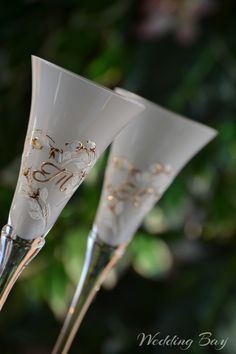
(72, 121)
(144, 160)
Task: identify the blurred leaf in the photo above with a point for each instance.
(151, 256)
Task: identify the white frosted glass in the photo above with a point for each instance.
(72, 121)
(144, 160)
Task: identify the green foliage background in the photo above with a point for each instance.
(178, 276)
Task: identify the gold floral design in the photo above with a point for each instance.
(133, 188)
(137, 183)
(64, 168)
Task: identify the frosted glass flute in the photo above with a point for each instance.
(144, 160)
(72, 121)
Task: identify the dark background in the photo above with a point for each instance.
(178, 276)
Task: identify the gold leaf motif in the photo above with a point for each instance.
(136, 185)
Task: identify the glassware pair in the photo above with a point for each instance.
(72, 121)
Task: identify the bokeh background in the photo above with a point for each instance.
(178, 276)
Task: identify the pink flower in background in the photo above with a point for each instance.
(179, 16)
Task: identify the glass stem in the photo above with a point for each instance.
(15, 255)
(100, 258)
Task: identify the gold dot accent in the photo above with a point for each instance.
(26, 172)
(159, 167)
(150, 190)
(36, 144)
(71, 310)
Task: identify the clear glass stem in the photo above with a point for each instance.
(100, 258)
(15, 255)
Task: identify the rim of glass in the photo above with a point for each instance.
(88, 81)
(145, 101)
